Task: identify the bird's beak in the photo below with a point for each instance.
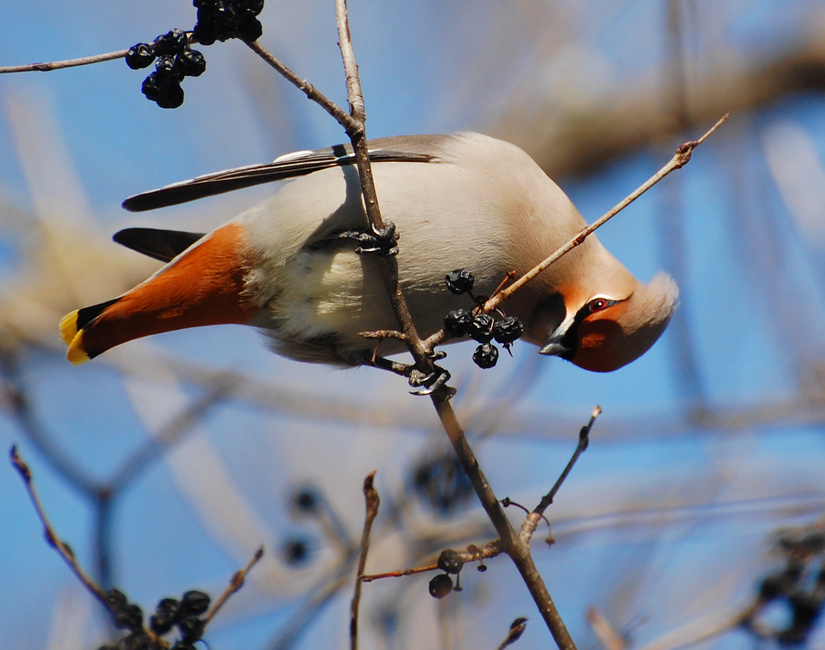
(555, 345)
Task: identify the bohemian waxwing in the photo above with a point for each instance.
(459, 201)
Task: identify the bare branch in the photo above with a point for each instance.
(372, 503)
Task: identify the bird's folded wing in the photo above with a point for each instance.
(417, 149)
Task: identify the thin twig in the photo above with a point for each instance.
(679, 160)
(531, 522)
(398, 574)
(312, 93)
(372, 502)
(234, 585)
(68, 63)
(517, 628)
(51, 536)
(472, 554)
(584, 434)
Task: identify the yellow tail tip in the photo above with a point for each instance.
(76, 354)
(74, 339)
(68, 327)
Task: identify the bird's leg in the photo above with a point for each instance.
(370, 240)
(425, 383)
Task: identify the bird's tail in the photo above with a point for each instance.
(202, 286)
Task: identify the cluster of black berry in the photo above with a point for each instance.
(480, 327)
(800, 584)
(173, 59)
(185, 614)
(220, 20)
(306, 501)
(450, 562)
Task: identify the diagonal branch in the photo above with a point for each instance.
(679, 160)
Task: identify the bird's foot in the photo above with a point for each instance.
(430, 383)
(424, 383)
(382, 241)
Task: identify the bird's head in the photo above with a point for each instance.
(604, 332)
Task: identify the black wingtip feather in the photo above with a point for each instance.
(163, 245)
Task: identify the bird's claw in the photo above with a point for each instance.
(431, 382)
(382, 241)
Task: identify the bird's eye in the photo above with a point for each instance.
(598, 304)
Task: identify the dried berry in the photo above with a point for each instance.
(129, 617)
(806, 607)
(191, 626)
(306, 500)
(441, 585)
(459, 281)
(486, 356)
(296, 551)
(508, 330)
(190, 63)
(481, 328)
(164, 91)
(450, 561)
(116, 599)
(771, 587)
(140, 56)
(171, 43)
(165, 69)
(249, 29)
(457, 322)
(194, 602)
(160, 624)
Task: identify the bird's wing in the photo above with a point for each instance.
(163, 245)
(422, 149)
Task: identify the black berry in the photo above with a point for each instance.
(508, 330)
(806, 607)
(249, 29)
(486, 355)
(129, 617)
(161, 624)
(140, 56)
(481, 328)
(441, 585)
(296, 551)
(450, 561)
(190, 63)
(171, 43)
(306, 500)
(194, 602)
(191, 626)
(459, 281)
(772, 587)
(457, 322)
